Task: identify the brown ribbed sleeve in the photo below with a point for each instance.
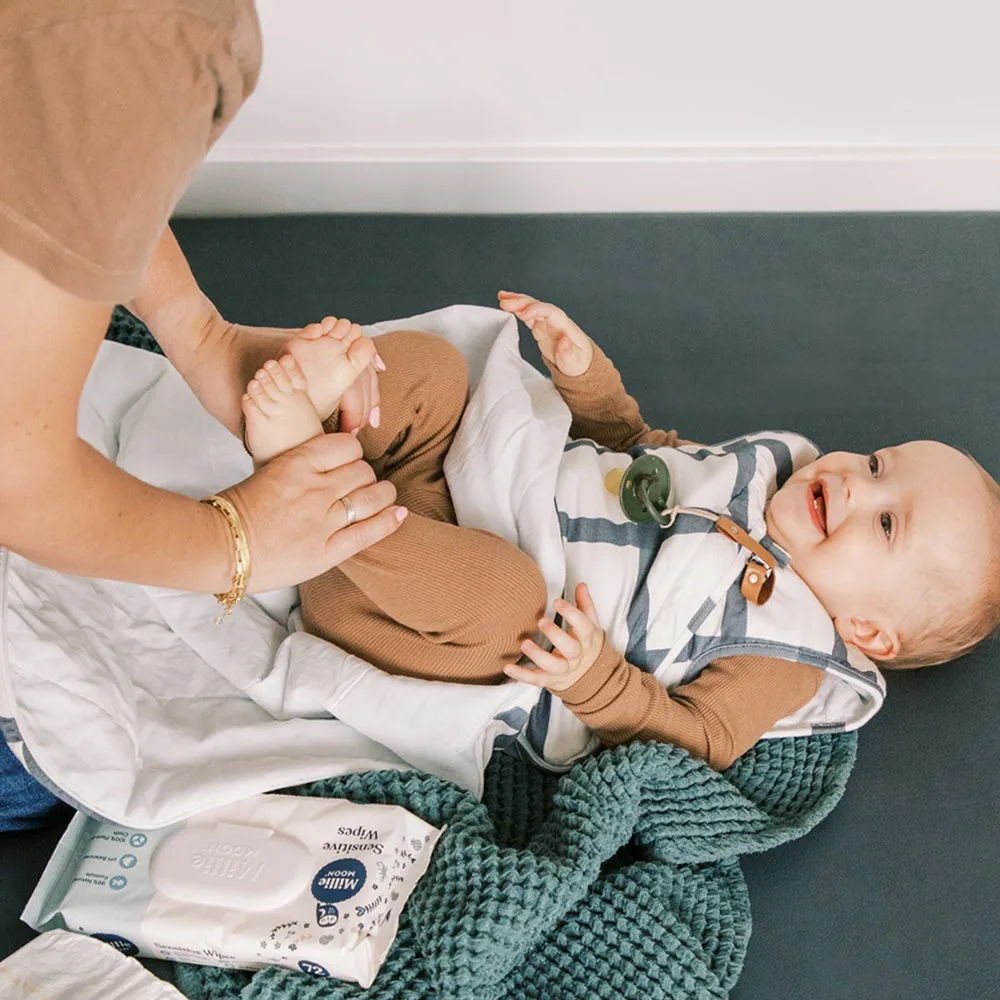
(603, 411)
(717, 717)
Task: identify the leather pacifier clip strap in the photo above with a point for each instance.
(758, 577)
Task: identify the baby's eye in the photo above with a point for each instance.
(886, 521)
(873, 465)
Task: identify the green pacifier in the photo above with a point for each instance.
(643, 490)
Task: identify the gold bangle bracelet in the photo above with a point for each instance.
(241, 549)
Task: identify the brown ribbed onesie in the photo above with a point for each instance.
(442, 602)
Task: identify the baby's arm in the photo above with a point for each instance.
(585, 377)
(603, 411)
(717, 717)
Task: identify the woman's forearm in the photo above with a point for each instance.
(171, 303)
(198, 341)
(61, 503)
(217, 358)
(80, 514)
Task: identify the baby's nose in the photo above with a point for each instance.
(848, 485)
(861, 493)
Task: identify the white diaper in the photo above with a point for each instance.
(312, 884)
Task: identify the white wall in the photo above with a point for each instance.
(634, 105)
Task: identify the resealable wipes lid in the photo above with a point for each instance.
(311, 884)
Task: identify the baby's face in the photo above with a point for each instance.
(870, 534)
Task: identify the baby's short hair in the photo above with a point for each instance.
(953, 619)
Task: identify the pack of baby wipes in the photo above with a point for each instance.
(311, 884)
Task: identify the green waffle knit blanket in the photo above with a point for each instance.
(619, 880)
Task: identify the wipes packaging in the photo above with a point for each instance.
(315, 885)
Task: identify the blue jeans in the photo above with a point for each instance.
(24, 803)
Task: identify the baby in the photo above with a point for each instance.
(900, 548)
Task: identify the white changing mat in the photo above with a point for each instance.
(133, 703)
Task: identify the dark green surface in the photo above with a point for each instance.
(859, 331)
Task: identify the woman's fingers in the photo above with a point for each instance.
(361, 503)
(360, 404)
(349, 541)
(297, 530)
(367, 500)
(330, 452)
(349, 479)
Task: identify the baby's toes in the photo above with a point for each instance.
(264, 391)
(361, 353)
(257, 390)
(293, 372)
(249, 403)
(282, 384)
(354, 333)
(341, 329)
(314, 331)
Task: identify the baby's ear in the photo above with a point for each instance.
(877, 640)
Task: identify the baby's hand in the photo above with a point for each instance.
(574, 652)
(562, 343)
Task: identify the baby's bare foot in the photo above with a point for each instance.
(331, 354)
(279, 415)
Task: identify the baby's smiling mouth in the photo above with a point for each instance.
(816, 498)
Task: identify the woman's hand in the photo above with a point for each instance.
(574, 650)
(296, 524)
(562, 343)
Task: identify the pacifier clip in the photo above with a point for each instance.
(643, 490)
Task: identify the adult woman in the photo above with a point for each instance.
(108, 106)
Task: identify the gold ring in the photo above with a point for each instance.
(352, 514)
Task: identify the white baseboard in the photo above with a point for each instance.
(269, 179)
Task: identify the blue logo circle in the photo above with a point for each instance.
(339, 881)
(118, 882)
(138, 840)
(128, 861)
(312, 969)
(121, 944)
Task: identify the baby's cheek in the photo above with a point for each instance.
(844, 576)
(827, 573)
